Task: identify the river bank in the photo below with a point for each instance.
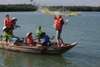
(74, 8)
(17, 7)
(29, 7)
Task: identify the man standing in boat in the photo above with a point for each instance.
(58, 25)
(8, 28)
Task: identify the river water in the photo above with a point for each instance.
(85, 28)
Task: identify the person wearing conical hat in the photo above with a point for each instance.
(29, 39)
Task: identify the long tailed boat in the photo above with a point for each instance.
(20, 47)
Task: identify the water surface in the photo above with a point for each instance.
(85, 28)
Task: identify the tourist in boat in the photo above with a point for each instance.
(7, 29)
(29, 40)
(46, 40)
(9, 24)
(58, 25)
(39, 33)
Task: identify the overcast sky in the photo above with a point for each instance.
(54, 2)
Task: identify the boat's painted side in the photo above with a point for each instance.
(36, 49)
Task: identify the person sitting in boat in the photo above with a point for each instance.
(39, 33)
(46, 40)
(29, 40)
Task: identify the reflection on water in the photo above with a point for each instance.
(13, 59)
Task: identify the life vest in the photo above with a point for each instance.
(8, 23)
(29, 40)
(58, 23)
(39, 33)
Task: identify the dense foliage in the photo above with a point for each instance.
(17, 7)
(29, 7)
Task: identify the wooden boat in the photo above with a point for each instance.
(37, 49)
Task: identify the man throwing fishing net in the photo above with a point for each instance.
(58, 25)
(8, 28)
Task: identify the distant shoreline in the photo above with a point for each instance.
(17, 7)
(74, 8)
(29, 7)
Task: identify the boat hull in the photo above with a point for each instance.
(37, 50)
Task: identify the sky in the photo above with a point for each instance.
(54, 2)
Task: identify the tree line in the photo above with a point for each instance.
(29, 7)
(17, 7)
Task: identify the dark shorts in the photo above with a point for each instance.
(8, 31)
(58, 34)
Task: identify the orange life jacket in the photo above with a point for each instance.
(58, 23)
(8, 23)
(29, 40)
